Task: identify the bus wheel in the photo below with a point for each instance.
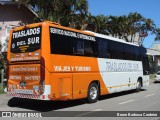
(139, 85)
(93, 93)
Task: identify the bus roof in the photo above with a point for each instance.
(75, 30)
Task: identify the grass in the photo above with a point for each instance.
(152, 76)
(1, 91)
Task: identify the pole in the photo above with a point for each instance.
(2, 77)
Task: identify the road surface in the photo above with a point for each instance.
(146, 100)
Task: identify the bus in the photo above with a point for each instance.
(47, 61)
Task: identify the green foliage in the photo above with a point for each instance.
(3, 59)
(3, 63)
(152, 76)
(150, 58)
(1, 90)
(75, 14)
(125, 26)
(157, 32)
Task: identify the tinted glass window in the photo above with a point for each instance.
(103, 51)
(89, 49)
(117, 50)
(26, 40)
(70, 44)
(78, 47)
(61, 45)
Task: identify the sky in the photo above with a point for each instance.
(147, 8)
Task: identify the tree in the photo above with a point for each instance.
(116, 26)
(128, 26)
(92, 23)
(157, 33)
(3, 56)
(74, 13)
(71, 13)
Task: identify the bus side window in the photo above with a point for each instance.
(137, 54)
(88, 51)
(90, 48)
(61, 44)
(103, 51)
(78, 48)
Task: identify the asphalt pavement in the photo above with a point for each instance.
(146, 100)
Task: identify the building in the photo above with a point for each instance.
(154, 58)
(13, 14)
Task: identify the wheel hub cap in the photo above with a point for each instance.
(93, 92)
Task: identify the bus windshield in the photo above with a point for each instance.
(25, 44)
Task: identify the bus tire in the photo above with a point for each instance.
(138, 85)
(93, 93)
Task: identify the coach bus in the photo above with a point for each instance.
(47, 61)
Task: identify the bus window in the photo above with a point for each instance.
(78, 48)
(61, 44)
(90, 48)
(103, 51)
(26, 44)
